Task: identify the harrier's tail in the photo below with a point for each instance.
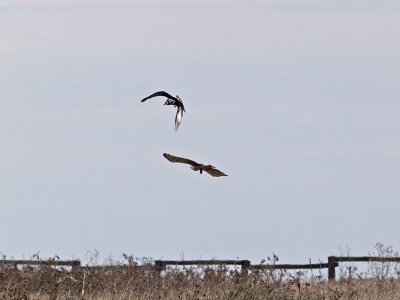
(178, 117)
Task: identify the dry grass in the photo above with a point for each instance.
(125, 280)
(130, 282)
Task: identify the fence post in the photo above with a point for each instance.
(245, 266)
(331, 268)
(159, 266)
(76, 264)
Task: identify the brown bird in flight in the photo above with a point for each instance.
(195, 166)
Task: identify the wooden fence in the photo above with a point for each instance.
(51, 262)
(245, 264)
(161, 265)
(333, 262)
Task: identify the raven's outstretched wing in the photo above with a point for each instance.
(215, 172)
(177, 159)
(160, 93)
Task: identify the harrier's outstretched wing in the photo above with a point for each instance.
(160, 93)
(177, 159)
(215, 172)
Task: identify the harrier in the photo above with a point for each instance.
(171, 100)
(195, 166)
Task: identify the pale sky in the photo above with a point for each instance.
(298, 101)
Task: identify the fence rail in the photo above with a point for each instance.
(291, 266)
(333, 261)
(160, 265)
(67, 263)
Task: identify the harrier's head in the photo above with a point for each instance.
(169, 102)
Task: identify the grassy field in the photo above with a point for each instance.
(136, 278)
(124, 280)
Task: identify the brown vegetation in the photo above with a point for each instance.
(138, 279)
(130, 282)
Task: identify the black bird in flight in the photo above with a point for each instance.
(195, 166)
(171, 100)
